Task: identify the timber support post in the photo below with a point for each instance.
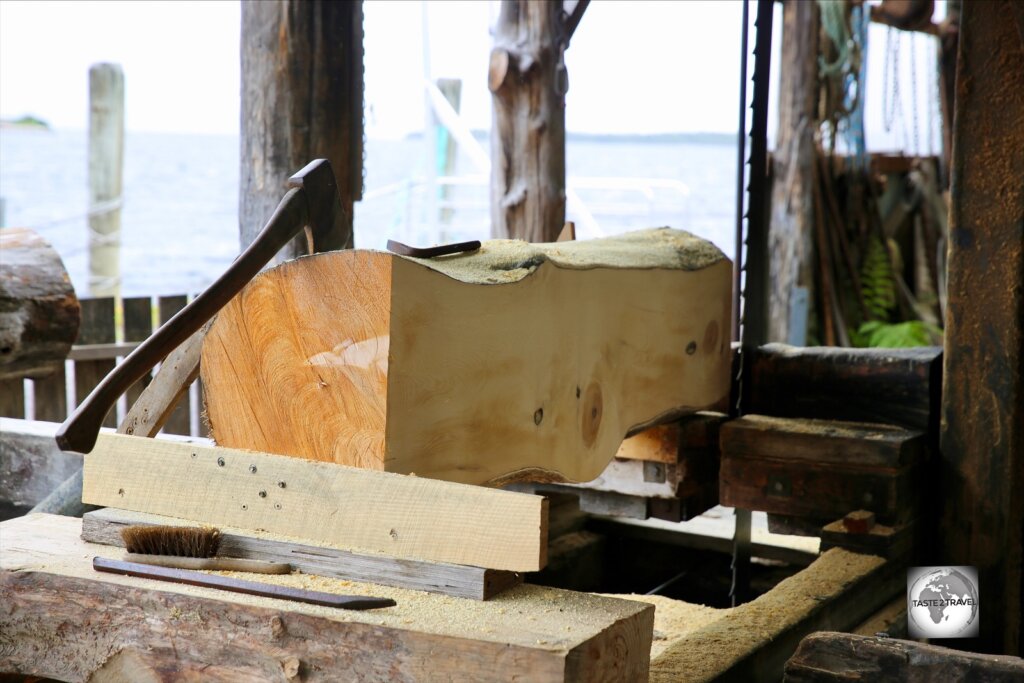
(982, 432)
(302, 99)
(527, 79)
(106, 164)
(791, 232)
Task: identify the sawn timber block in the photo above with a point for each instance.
(515, 362)
(61, 619)
(820, 468)
(320, 503)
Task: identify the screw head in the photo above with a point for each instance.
(280, 484)
(538, 416)
(252, 468)
(691, 348)
(263, 494)
(220, 462)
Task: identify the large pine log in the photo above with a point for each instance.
(519, 361)
(39, 312)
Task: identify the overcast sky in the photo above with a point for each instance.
(633, 66)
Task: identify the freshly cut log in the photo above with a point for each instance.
(39, 312)
(518, 361)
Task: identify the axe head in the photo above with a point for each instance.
(328, 227)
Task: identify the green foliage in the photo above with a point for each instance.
(897, 335)
(876, 280)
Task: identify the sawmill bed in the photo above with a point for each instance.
(61, 619)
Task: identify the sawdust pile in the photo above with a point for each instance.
(506, 261)
(710, 650)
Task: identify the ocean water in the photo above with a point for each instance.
(180, 216)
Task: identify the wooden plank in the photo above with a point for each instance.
(402, 516)
(851, 444)
(540, 634)
(892, 386)
(104, 527)
(751, 643)
(178, 422)
(981, 460)
(31, 465)
(97, 328)
(884, 541)
(350, 356)
(828, 657)
(138, 324)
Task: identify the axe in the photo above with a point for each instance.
(312, 204)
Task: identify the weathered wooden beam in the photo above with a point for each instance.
(893, 386)
(751, 642)
(515, 362)
(302, 99)
(39, 312)
(820, 469)
(328, 504)
(791, 231)
(461, 581)
(528, 130)
(828, 657)
(981, 464)
(60, 619)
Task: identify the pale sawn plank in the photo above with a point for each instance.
(398, 515)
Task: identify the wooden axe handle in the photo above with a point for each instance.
(78, 433)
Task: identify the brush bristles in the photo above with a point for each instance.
(182, 541)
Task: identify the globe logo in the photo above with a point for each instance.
(942, 602)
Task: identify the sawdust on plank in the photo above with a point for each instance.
(507, 261)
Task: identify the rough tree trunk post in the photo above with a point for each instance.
(792, 214)
(302, 99)
(106, 161)
(39, 312)
(528, 133)
(981, 444)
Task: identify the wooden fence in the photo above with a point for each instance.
(96, 353)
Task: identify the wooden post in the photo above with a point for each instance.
(106, 161)
(302, 99)
(528, 133)
(791, 231)
(982, 434)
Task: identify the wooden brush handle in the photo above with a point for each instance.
(193, 578)
(221, 564)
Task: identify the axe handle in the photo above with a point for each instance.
(78, 433)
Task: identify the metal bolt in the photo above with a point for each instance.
(252, 468)
(220, 462)
(778, 486)
(263, 494)
(538, 416)
(280, 484)
(691, 348)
